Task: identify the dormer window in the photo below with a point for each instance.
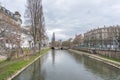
(11, 14)
(8, 12)
(17, 14)
(3, 9)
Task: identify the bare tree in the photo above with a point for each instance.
(9, 39)
(34, 17)
(2, 35)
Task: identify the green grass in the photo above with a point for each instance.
(8, 68)
(113, 59)
(1, 61)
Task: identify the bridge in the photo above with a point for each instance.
(56, 46)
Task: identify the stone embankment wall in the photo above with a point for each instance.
(98, 58)
(107, 53)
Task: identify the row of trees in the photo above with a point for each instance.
(77, 41)
(10, 34)
(35, 19)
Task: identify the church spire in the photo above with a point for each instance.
(53, 40)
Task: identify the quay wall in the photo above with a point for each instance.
(98, 58)
(107, 53)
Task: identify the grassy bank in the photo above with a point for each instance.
(1, 61)
(117, 60)
(8, 68)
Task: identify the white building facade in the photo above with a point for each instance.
(106, 37)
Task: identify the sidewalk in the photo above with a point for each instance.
(97, 57)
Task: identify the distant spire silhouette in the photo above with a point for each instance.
(53, 40)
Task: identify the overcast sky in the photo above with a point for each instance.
(70, 17)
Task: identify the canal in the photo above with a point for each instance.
(64, 65)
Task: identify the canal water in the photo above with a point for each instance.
(64, 65)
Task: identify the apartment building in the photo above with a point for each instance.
(106, 37)
(78, 40)
(10, 28)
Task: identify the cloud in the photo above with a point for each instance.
(70, 17)
(79, 16)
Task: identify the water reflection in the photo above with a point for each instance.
(98, 68)
(63, 65)
(33, 72)
(53, 56)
